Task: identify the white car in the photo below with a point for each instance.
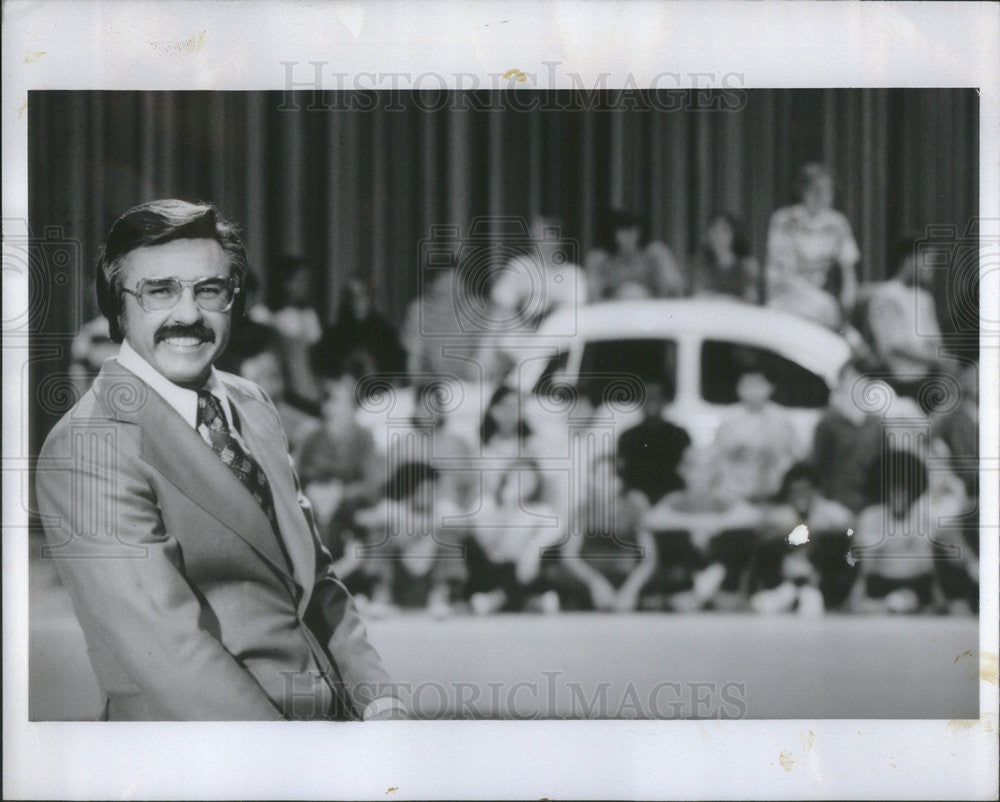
(695, 348)
(581, 377)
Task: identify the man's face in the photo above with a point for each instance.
(183, 342)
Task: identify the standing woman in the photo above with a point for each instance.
(812, 254)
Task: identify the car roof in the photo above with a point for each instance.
(717, 318)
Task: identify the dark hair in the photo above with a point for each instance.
(617, 219)
(407, 478)
(345, 307)
(490, 427)
(741, 247)
(903, 247)
(156, 223)
(861, 364)
(287, 266)
(896, 471)
(760, 370)
(798, 472)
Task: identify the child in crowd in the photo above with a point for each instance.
(448, 452)
(338, 465)
(756, 444)
(339, 470)
(705, 537)
(848, 439)
(608, 558)
(894, 541)
(298, 418)
(801, 561)
(649, 452)
(297, 324)
(512, 529)
(414, 550)
(955, 436)
(503, 437)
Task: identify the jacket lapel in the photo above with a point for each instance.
(171, 446)
(262, 432)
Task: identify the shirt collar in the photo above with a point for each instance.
(181, 399)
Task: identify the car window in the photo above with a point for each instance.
(556, 365)
(611, 363)
(723, 362)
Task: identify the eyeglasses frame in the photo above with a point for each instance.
(137, 292)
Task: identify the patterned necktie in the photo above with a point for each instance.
(233, 455)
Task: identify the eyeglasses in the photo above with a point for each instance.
(212, 294)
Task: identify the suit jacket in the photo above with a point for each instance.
(189, 607)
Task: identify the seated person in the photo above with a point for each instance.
(704, 537)
(414, 552)
(265, 367)
(649, 453)
(802, 556)
(608, 560)
(956, 429)
(297, 324)
(504, 436)
(511, 530)
(91, 346)
(955, 437)
(724, 265)
(894, 541)
(847, 440)
(903, 322)
(338, 465)
(756, 443)
(449, 452)
(629, 268)
(361, 336)
(812, 253)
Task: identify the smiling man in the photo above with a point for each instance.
(173, 512)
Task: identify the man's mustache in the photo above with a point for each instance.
(198, 331)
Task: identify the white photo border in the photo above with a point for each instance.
(144, 45)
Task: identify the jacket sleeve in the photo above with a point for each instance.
(333, 618)
(125, 575)
(336, 622)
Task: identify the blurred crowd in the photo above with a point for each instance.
(879, 512)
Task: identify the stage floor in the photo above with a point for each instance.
(644, 665)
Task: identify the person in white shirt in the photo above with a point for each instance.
(899, 543)
(526, 290)
(903, 323)
(812, 254)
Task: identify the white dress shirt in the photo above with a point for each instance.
(180, 398)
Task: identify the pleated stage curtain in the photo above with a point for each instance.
(354, 182)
